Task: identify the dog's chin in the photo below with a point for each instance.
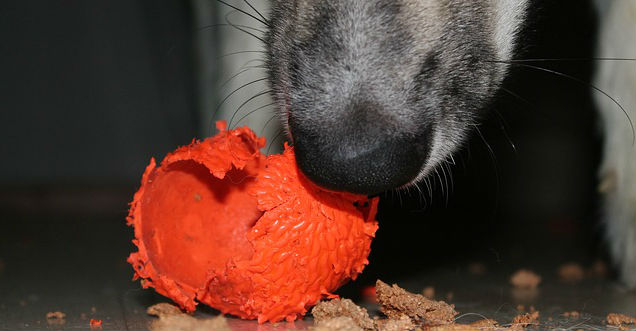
(441, 151)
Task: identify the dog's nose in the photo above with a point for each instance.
(371, 167)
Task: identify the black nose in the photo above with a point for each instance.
(367, 166)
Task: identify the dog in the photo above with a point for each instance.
(617, 173)
(376, 94)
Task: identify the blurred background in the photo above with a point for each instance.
(91, 90)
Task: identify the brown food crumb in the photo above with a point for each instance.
(526, 319)
(341, 323)
(480, 325)
(483, 324)
(598, 269)
(163, 310)
(477, 268)
(55, 318)
(452, 327)
(571, 272)
(172, 319)
(342, 308)
(404, 323)
(572, 314)
(524, 294)
(55, 315)
(429, 292)
(396, 302)
(525, 279)
(619, 319)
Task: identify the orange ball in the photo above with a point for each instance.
(221, 224)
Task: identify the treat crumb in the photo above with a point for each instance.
(429, 292)
(343, 323)
(598, 269)
(526, 319)
(477, 268)
(480, 325)
(571, 314)
(172, 319)
(163, 309)
(571, 273)
(525, 279)
(56, 318)
(620, 320)
(485, 324)
(404, 323)
(396, 302)
(342, 308)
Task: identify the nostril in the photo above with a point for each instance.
(368, 168)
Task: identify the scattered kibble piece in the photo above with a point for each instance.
(571, 273)
(526, 279)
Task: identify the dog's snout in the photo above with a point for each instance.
(382, 164)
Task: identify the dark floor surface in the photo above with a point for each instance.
(74, 262)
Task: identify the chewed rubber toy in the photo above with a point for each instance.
(219, 223)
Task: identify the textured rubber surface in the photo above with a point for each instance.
(221, 224)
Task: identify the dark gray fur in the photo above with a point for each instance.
(376, 93)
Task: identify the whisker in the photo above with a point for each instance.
(251, 112)
(560, 74)
(236, 90)
(242, 27)
(257, 12)
(429, 188)
(244, 12)
(266, 123)
(253, 61)
(444, 184)
(231, 25)
(450, 174)
(440, 180)
(516, 95)
(237, 74)
(247, 101)
(536, 111)
(503, 125)
(421, 197)
(494, 164)
(239, 52)
(573, 59)
(271, 143)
